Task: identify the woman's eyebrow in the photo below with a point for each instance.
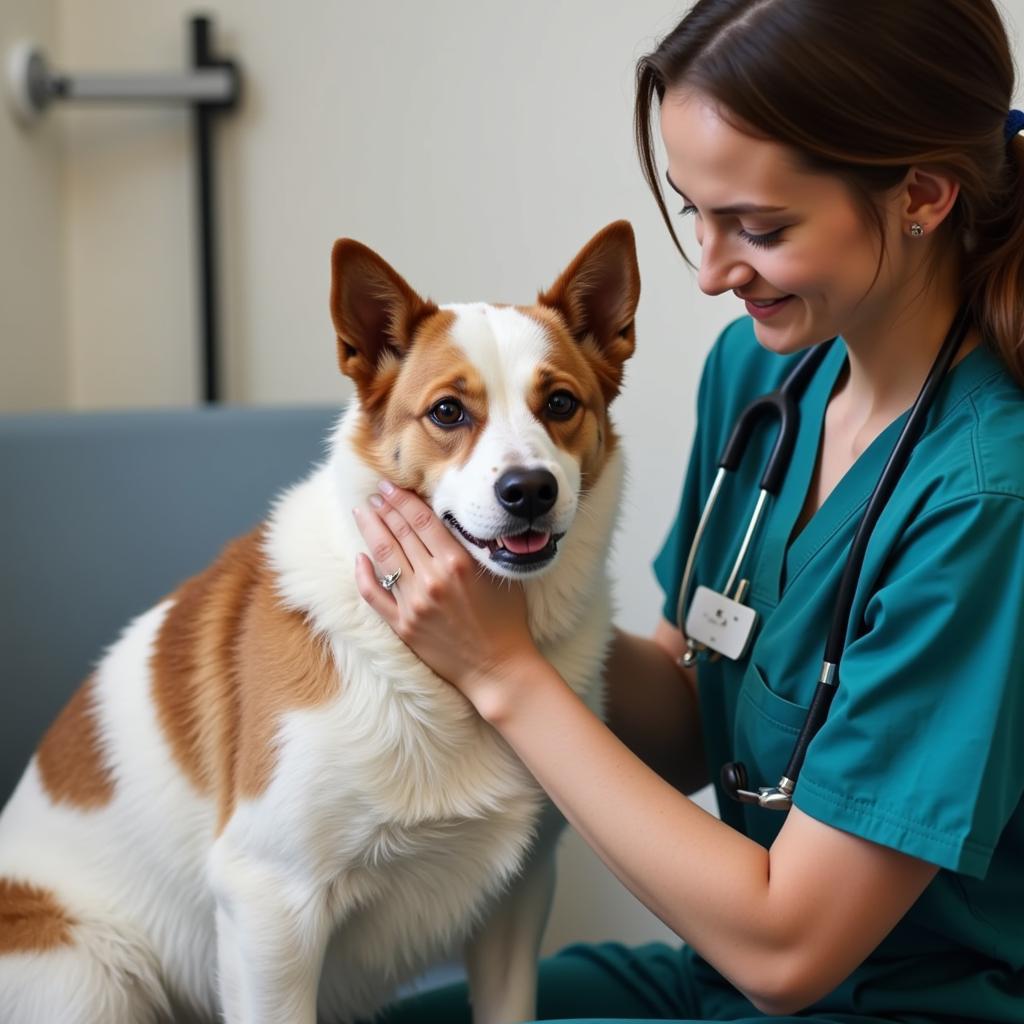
(727, 210)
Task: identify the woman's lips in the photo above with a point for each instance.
(764, 311)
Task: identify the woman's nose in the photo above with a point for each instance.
(721, 269)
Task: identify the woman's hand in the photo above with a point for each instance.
(470, 627)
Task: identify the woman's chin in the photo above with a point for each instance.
(781, 340)
(786, 339)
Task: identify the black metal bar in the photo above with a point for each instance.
(204, 112)
(201, 119)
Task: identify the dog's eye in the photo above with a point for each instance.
(448, 413)
(561, 405)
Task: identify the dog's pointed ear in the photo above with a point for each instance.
(374, 310)
(597, 296)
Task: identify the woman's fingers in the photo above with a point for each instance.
(385, 549)
(420, 518)
(382, 602)
(403, 531)
(404, 535)
(445, 608)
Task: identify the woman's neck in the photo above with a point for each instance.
(890, 356)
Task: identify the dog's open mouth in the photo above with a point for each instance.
(521, 550)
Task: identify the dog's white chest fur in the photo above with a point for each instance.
(396, 798)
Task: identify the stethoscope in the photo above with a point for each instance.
(722, 623)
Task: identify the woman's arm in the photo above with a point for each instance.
(785, 925)
(653, 706)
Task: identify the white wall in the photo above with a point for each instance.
(476, 144)
(34, 368)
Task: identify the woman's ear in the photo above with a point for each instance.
(928, 197)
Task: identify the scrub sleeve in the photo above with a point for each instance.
(924, 748)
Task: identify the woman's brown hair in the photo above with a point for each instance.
(864, 91)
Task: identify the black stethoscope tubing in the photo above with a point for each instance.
(783, 403)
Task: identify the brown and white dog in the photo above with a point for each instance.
(262, 804)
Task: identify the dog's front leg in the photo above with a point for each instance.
(272, 931)
(501, 958)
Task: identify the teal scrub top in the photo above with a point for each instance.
(923, 750)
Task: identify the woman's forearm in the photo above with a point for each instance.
(704, 880)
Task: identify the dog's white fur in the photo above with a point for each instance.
(397, 825)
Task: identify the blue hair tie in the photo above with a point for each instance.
(1014, 124)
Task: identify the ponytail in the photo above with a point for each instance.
(995, 270)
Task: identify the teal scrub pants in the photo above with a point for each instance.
(608, 982)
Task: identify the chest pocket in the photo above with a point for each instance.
(764, 732)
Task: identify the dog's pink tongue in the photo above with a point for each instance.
(526, 543)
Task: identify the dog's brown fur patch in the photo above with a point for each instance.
(70, 757)
(31, 919)
(588, 435)
(433, 368)
(596, 297)
(230, 660)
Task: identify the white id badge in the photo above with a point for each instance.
(721, 624)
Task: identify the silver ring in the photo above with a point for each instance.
(388, 582)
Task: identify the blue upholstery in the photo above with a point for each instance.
(101, 515)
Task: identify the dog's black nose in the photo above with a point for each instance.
(527, 493)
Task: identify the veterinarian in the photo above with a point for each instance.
(855, 173)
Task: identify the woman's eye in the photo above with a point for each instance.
(759, 241)
(765, 241)
(561, 405)
(448, 413)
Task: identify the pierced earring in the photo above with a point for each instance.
(916, 230)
